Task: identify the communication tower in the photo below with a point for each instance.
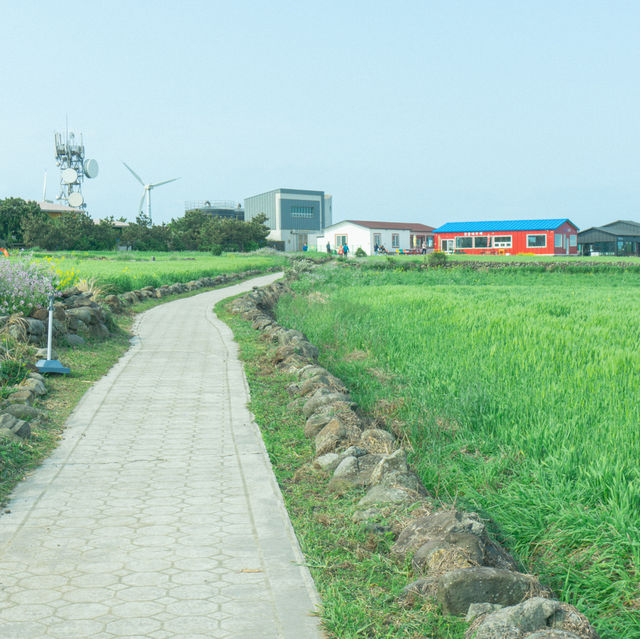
(73, 168)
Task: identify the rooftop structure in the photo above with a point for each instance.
(53, 209)
(217, 208)
(405, 226)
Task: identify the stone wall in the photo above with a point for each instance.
(79, 314)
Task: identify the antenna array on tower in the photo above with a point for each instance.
(73, 168)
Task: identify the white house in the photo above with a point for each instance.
(393, 236)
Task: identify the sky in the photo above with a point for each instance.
(411, 111)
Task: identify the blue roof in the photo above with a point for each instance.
(501, 225)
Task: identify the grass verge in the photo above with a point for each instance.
(358, 580)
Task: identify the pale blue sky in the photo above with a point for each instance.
(409, 111)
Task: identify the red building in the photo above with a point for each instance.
(509, 237)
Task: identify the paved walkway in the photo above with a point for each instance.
(158, 516)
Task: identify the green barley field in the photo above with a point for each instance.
(519, 391)
(119, 271)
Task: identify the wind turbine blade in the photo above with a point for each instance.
(161, 183)
(135, 175)
(140, 209)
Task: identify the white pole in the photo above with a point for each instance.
(149, 204)
(50, 331)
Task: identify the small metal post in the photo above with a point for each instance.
(51, 365)
(50, 331)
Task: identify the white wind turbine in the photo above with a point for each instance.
(147, 189)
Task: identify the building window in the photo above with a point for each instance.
(341, 240)
(536, 241)
(377, 239)
(502, 241)
(464, 242)
(573, 240)
(559, 240)
(395, 240)
(481, 241)
(430, 241)
(301, 211)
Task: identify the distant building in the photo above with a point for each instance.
(509, 237)
(393, 236)
(53, 209)
(296, 217)
(217, 208)
(117, 224)
(617, 238)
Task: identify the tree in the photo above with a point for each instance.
(185, 232)
(76, 230)
(259, 230)
(72, 231)
(38, 230)
(104, 235)
(144, 220)
(14, 212)
(234, 235)
(144, 237)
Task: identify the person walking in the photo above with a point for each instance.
(329, 248)
(345, 250)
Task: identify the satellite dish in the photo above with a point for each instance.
(75, 199)
(91, 168)
(69, 176)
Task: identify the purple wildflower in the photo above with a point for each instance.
(24, 283)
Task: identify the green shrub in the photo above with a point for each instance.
(437, 258)
(12, 372)
(216, 249)
(360, 252)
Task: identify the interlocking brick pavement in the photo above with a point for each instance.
(158, 516)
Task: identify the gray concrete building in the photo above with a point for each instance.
(295, 216)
